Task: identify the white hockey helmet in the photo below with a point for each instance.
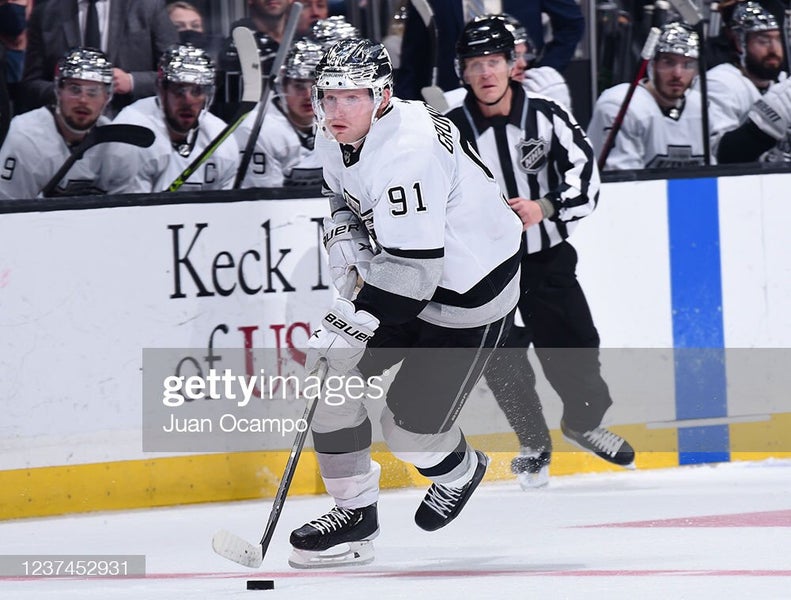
(353, 65)
(185, 63)
(87, 64)
(326, 32)
(750, 17)
(302, 60)
(678, 38)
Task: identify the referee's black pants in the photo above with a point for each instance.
(559, 324)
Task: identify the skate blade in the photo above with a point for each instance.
(342, 555)
(533, 481)
(234, 548)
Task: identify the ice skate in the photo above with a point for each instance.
(603, 443)
(341, 537)
(443, 503)
(531, 468)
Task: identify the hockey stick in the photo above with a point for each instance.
(432, 94)
(247, 48)
(282, 51)
(646, 54)
(125, 134)
(241, 551)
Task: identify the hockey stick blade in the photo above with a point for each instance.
(249, 59)
(232, 547)
(434, 96)
(125, 134)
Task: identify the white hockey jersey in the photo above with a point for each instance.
(445, 233)
(731, 95)
(538, 80)
(649, 137)
(154, 169)
(33, 152)
(283, 155)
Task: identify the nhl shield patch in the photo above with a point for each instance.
(532, 155)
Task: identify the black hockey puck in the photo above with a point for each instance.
(260, 584)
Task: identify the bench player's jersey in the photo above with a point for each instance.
(649, 136)
(154, 169)
(34, 150)
(283, 155)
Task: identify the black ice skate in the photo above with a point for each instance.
(603, 443)
(442, 503)
(531, 468)
(341, 537)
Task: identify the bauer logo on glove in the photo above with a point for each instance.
(343, 338)
(350, 331)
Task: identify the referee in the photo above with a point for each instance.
(542, 159)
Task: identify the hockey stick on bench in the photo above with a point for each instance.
(241, 551)
(432, 93)
(280, 57)
(125, 134)
(249, 59)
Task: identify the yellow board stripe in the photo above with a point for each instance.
(192, 479)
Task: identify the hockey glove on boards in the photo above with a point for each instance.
(772, 113)
(344, 334)
(348, 246)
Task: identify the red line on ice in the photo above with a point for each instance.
(773, 518)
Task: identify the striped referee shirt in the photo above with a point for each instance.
(537, 151)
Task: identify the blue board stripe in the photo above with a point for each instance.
(698, 337)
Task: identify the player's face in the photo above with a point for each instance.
(487, 76)
(186, 20)
(348, 113)
(764, 54)
(81, 102)
(312, 11)
(298, 101)
(183, 103)
(520, 63)
(673, 74)
(269, 8)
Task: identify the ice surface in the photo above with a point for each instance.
(729, 537)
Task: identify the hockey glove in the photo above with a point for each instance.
(342, 339)
(348, 246)
(547, 82)
(772, 113)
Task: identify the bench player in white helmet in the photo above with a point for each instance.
(444, 275)
(537, 80)
(283, 153)
(179, 118)
(663, 127)
(40, 141)
(751, 100)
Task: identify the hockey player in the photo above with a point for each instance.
(445, 275)
(40, 141)
(183, 128)
(543, 160)
(662, 127)
(283, 154)
(539, 80)
(751, 101)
